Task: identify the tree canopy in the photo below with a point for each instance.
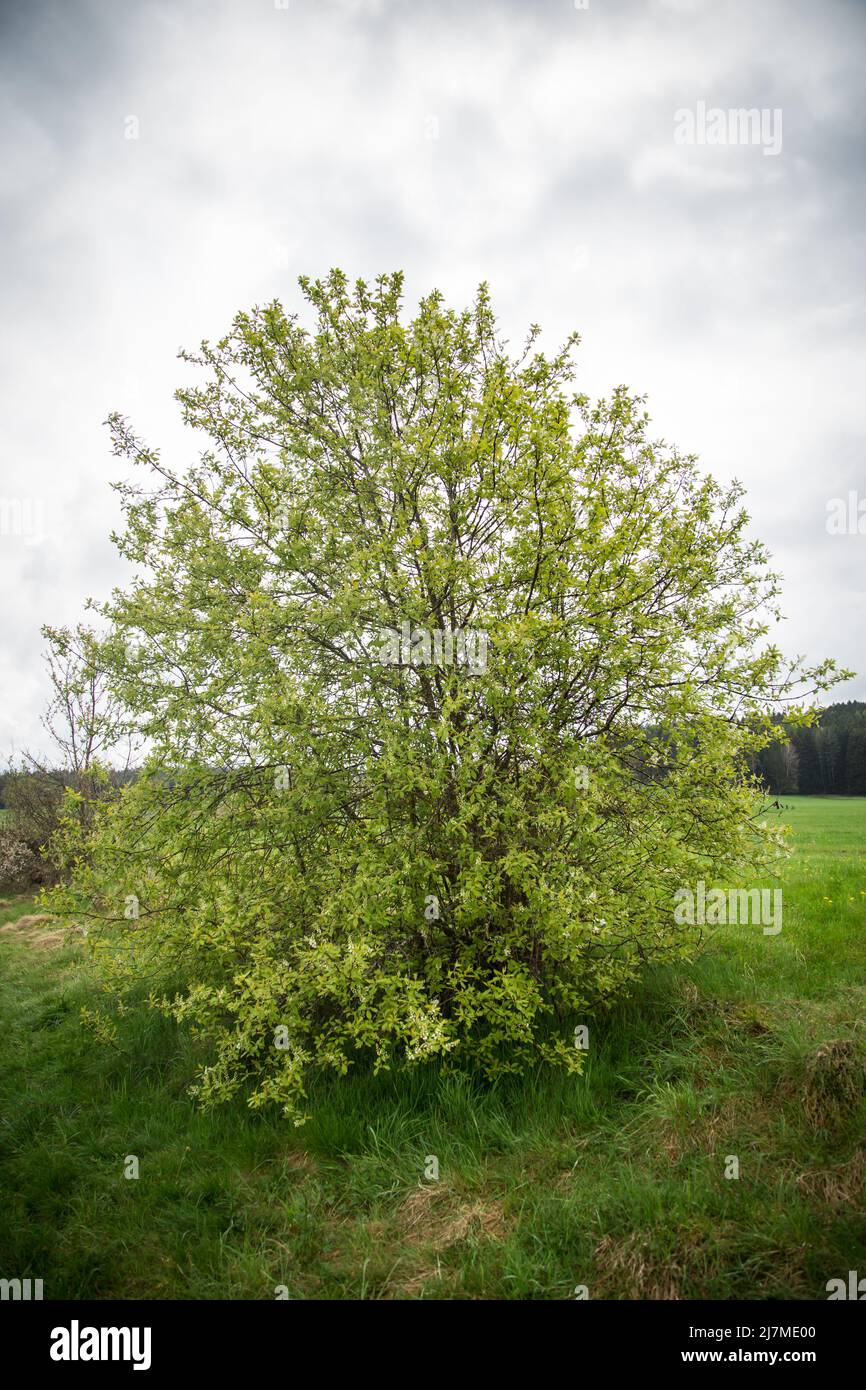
(450, 676)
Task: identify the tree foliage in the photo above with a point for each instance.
(345, 843)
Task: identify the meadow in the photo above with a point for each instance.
(614, 1182)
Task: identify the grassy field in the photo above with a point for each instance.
(615, 1181)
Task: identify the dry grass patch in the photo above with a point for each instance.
(414, 1285)
(626, 1268)
(712, 1132)
(434, 1217)
(835, 1081)
(841, 1186)
(431, 1222)
(27, 922)
(32, 929)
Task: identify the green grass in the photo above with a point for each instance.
(614, 1180)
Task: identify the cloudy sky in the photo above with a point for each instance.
(164, 165)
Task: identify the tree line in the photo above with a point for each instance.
(829, 758)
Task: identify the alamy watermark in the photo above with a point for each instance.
(846, 516)
(415, 646)
(22, 516)
(737, 126)
(20, 1289)
(854, 1289)
(77, 1343)
(735, 907)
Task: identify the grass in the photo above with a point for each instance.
(615, 1180)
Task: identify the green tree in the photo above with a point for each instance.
(771, 768)
(809, 768)
(827, 752)
(401, 642)
(791, 770)
(856, 765)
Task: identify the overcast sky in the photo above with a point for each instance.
(533, 145)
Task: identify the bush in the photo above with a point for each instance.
(19, 865)
(450, 678)
(35, 802)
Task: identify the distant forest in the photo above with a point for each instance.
(829, 758)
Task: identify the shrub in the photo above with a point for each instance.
(450, 678)
(34, 799)
(19, 865)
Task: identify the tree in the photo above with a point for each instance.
(770, 765)
(810, 780)
(85, 729)
(856, 769)
(826, 742)
(790, 770)
(401, 642)
(84, 720)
